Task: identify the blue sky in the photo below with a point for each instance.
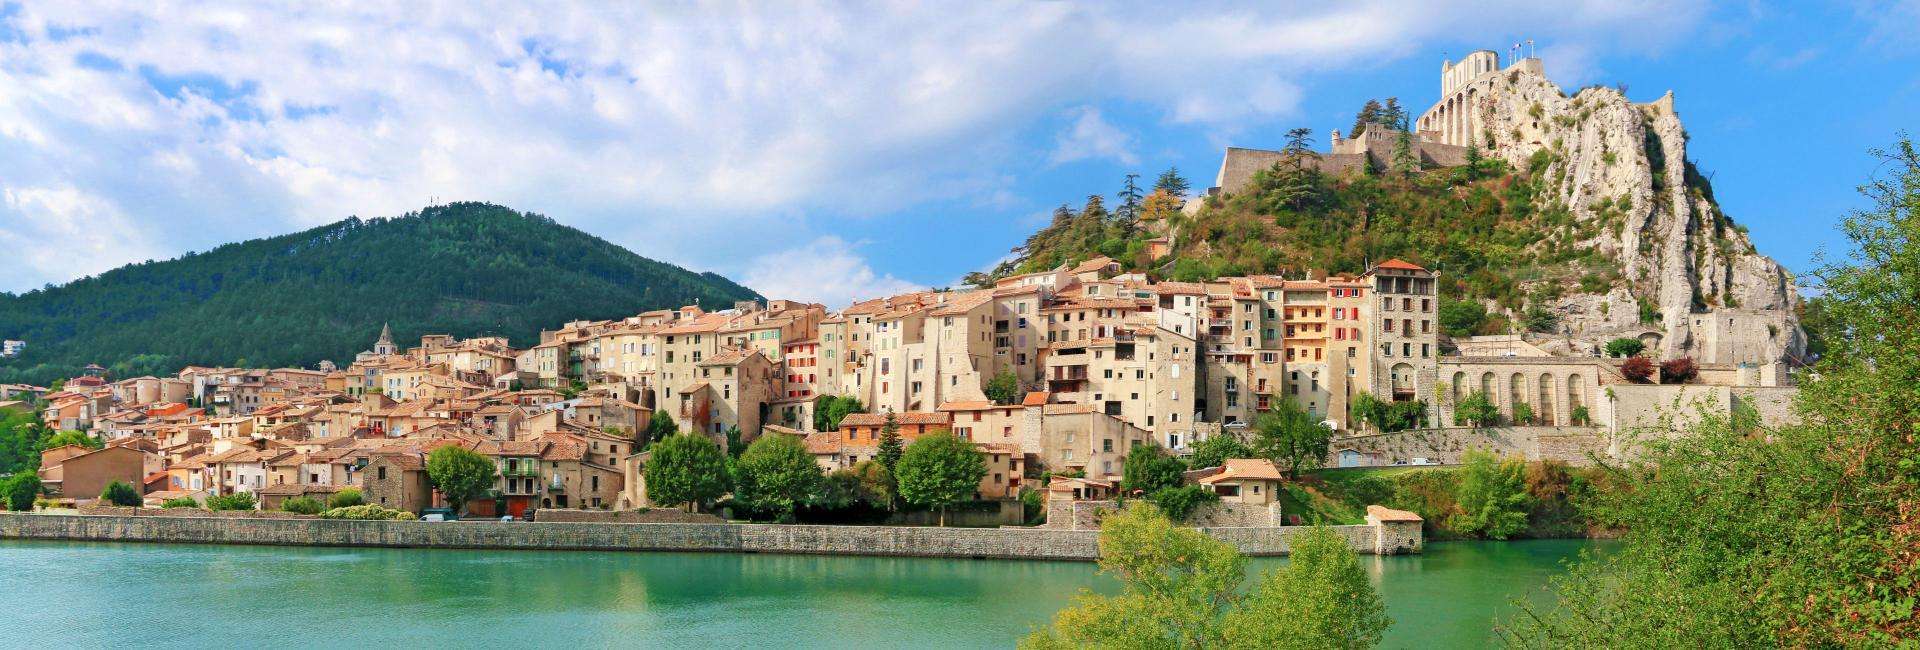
(839, 151)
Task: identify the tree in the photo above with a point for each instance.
(1003, 388)
(302, 505)
(1148, 469)
(1541, 320)
(21, 434)
(1492, 495)
(1476, 409)
(1802, 535)
(121, 493)
(828, 410)
(1638, 370)
(939, 470)
(461, 474)
(1175, 586)
(734, 446)
(1130, 197)
(1461, 318)
(1321, 598)
(180, 502)
(1678, 371)
(1371, 113)
(1291, 437)
(1171, 182)
(660, 425)
(1522, 413)
(1215, 450)
(890, 449)
(776, 475)
(686, 468)
(1180, 501)
(1624, 347)
(71, 437)
(21, 490)
(346, 497)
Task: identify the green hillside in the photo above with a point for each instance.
(463, 269)
(1486, 226)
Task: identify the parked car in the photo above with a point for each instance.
(1424, 461)
(438, 514)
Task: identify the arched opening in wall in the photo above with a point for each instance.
(1455, 391)
(1517, 386)
(1486, 388)
(1545, 406)
(1459, 378)
(1574, 401)
(1403, 387)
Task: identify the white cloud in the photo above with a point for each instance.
(668, 129)
(826, 270)
(54, 234)
(1092, 137)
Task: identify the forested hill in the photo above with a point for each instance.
(463, 269)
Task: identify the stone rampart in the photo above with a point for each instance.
(648, 516)
(1574, 445)
(1008, 543)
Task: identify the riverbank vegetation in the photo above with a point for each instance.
(1487, 498)
(1807, 535)
(1181, 588)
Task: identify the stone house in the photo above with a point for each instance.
(81, 473)
(1252, 481)
(398, 480)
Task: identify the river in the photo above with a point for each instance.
(80, 595)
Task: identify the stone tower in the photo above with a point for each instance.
(385, 345)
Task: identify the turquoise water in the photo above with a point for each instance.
(66, 595)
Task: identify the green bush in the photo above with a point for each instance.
(235, 501)
(301, 505)
(121, 493)
(368, 512)
(21, 490)
(180, 502)
(1033, 505)
(1493, 497)
(346, 498)
(1624, 347)
(1179, 502)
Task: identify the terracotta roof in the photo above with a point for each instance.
(979, 405)
(1397, 263)
(402, 460)
(961, 303)
(1384, 513)
(1095, 264)
(728, 357)
(1035, 398)
(823, 442)
(1245, 469)
(1067, 409)
(908, 417)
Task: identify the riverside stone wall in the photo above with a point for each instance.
(1010, 543)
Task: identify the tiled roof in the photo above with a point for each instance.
(1397, 263)
(1245, 469)
(1384, 513)
(908, 417)
(976, 405)
(1035, 398)
(823, 442)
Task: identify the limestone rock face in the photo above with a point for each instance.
(1623, 167)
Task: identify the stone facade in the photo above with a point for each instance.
(1573, 445)
(1008, 543)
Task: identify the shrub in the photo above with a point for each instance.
(1033, 505)
(121, 493)
(1179, 502)
(368, 512)
(1679, 371)
(235, 501)
(1624, 347)
(1637, 370)
(1493, 497)
(346, 498)
(180, 502)
(301, 505)
(1580, 415)
(21, 490)
(1522, 413)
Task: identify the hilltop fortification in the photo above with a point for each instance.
(1691, 282)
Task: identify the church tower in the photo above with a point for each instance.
(385, 345)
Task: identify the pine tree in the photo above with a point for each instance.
(1371, 113)
(1172, 182)
(1129, 210)
(890, 447)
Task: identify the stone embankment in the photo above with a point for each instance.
(1385, 535)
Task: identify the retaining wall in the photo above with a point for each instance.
(1010, 543)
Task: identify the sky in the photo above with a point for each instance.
(838, 151)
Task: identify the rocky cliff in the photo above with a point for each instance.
(1624, 167)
